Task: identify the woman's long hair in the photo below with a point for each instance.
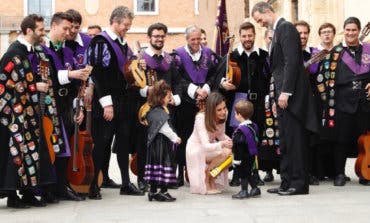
(213, 100)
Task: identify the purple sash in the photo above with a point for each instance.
(315, 66)
(164, 66)
(67, 58)
(198, 74)
(121, 59)
(250, 137)
(365, 61)
(238, 96)
(80, 53)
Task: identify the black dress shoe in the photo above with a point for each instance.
(33, 201)
(269, 177)
(49, 198)
(258, 180)
(142, 186)
(235, 182)
(314, 180)
(340, 180)
(255, 192)
(15, 202)
(130, 189)
(241, 195)
(173, 186)
(274, 190)
(347, 178)
(364, 182)
(169, 197)
(110, 184)
(70, 196)
(292, 191)
(94, 193)
(164, 197)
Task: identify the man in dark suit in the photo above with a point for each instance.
(295, 101)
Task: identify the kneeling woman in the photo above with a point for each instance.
(208, 146)
(160, 166)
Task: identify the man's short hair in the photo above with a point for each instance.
(30, 22)
(327, 25)
(58, 17)
(76, 16)
(353, 20)
(303, 23)
(191, 29)
(261, 7)
(119, 13)
(246, 26)
(95, 27)
(157, 26)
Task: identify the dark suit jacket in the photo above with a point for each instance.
(289, 74)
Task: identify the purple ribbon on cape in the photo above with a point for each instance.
(362, 68)
(249, 137)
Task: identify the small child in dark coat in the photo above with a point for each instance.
(245, 149)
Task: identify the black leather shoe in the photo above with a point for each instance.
(130, 189)
(347, 178)
(241, 195)
(364, 182)
(16, 203)
(234, 182)
(258, 180)
(169, 197)
(314, 180)
(173, 186)
(110, 184)
(142, 186)
(164, 197)
(340, 180)
(274, 190)
(49, 198)
(94, 193)
(70, 196)
(292, 191)
(269, 177)
(33, 201)
(255, 192)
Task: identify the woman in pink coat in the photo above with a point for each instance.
(207, 147)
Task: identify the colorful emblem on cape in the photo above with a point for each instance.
(31, 170)
(29, 111)
(10, 84)
(28, 136)
(335, 56)
(13, 151)
(2, 89)
(18, 108)
(68, 66)
(47, 100)
(268, 114)
(26, 64)
(28, 160)
(331, 83)
(331, 102)
(323, 97)
(321, 87)
(333, 65)
(7, 96)
(3, 77)
(21, 71)
(17, 160)
(14, 76)
(365, 58)
(14, 128)
(80, 59)
(6, 109)
(9, 66)
(35, 156)
(331, 123)
(31, 146)
(338, 48)
(326, 64)
(29, 77)
(327, 75)
(331, 112)
(332, 93)
(320, 78)
(21, 171)
(269, 122)
(19, 87)
(17, 60)
(270, 132)
(33, 181)
(32, 87)
(4, 121)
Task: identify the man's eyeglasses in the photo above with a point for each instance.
(326, 32)
(159, 36)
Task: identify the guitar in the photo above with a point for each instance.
(316, 58)
(46, 123)
(362, 165)
(365, 31)
(233, 73)
(132, 71)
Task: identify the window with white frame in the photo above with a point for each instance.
(40, 7)
(146, 7)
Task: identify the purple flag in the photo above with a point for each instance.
(220, 41)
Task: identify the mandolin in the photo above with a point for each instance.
(133, 73)
(362, 165)
(233, 73)
(46, 123)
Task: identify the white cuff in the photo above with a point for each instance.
(191, 90)
(106, 101)
(207, 88)
(177, 100)
(237, 162)
(144, 91)
(63, 77)
(289, 94)
(91, 81)
(75, 102)
(222, 81)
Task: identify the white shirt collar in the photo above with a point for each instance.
(28, 45)
(195, 56)
(320, 47)
(276, 22)
(246, 122)
(307, 49)
(344, 44)
(114, 36)
(151, 53)
(241, 49)
(79, 40)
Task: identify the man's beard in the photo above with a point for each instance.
(157, 47)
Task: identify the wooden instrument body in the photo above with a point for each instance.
(134, 75)
(233, 73)
(362, 165)
(133, 163)
(46, 123)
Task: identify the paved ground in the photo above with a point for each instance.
(325, 203)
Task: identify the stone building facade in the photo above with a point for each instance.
(177, 14)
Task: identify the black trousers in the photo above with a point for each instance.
(244, 171)
(294, 150)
